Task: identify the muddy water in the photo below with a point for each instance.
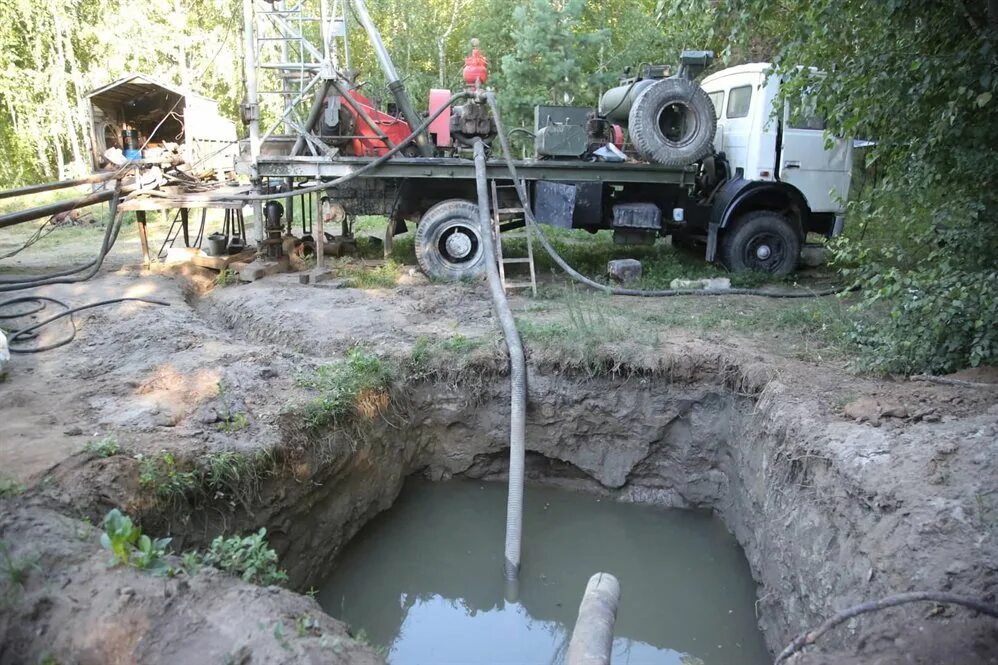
(424, 580)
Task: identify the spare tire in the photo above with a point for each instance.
(673, 123)
(448, 242)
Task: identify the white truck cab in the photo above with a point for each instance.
(783, 173)
(772, 146)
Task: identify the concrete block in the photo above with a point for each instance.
(712, 283)
(812, 256)
(624, 271)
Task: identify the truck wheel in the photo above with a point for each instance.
(448, 242)
(764, 240)
(672, 123)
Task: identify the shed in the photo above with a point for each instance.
(161, 113)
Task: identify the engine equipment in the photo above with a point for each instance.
(572, 131)
(472, 120)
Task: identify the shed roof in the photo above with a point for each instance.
(134, 85)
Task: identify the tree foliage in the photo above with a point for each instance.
(921, 79)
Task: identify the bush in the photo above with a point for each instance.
(934, 286)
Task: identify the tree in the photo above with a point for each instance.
(546, 65)
(921, 78)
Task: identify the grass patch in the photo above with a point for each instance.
(226, 475)
(359, 276)
(585, 331)
(226, 277)
(10, 488)
(104, 447)
(14, 573)
(343, 385)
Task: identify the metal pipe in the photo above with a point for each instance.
(252, 99)
(21, 216)
(592, 638)
(395, 85)
(517, 374)
(313, 116)
(62, 184)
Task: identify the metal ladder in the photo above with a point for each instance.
(511, 214)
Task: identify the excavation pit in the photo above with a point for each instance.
(829, 512)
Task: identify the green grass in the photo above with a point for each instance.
(104, 447)
(360, 276)
(10, 488)
(339, 384)
(226, 475)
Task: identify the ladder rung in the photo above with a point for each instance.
(517, 259)
(509, 211)
(519, 285)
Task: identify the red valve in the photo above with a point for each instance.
(476, 67)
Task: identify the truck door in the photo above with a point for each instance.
(820, 174)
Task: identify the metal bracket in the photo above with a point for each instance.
(249, 112)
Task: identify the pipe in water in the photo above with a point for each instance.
(592, 638)
(517, 374)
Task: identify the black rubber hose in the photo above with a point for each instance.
(63, 277)
(25, 334)
(528, 214)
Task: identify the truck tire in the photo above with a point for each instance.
(672, 123)
(448, 243)
(763, 241)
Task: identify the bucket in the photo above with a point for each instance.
(216, 245)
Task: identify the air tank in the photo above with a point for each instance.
(616, 102)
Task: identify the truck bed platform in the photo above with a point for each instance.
(270, 166)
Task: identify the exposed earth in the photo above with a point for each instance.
(840, 488)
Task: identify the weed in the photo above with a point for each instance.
(226, 277)
(249, 557)
(10, 488)
(191, 562)
(306, 625)
(164, 476)
(130, 547)
(233, 422)
(15, 570)
(105, 447)
(340, 384)
(361, 277)
(279, 636)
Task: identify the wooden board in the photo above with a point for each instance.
(202, 260)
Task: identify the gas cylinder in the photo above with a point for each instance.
(476, 67)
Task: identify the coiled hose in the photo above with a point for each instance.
(521, 193)
(21, 282)
(517, 375)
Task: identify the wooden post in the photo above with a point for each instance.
(320, 236)
(184, 219)
(140, 219)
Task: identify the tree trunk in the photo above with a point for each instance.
(442, 42)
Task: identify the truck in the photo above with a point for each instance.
(712, 163)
